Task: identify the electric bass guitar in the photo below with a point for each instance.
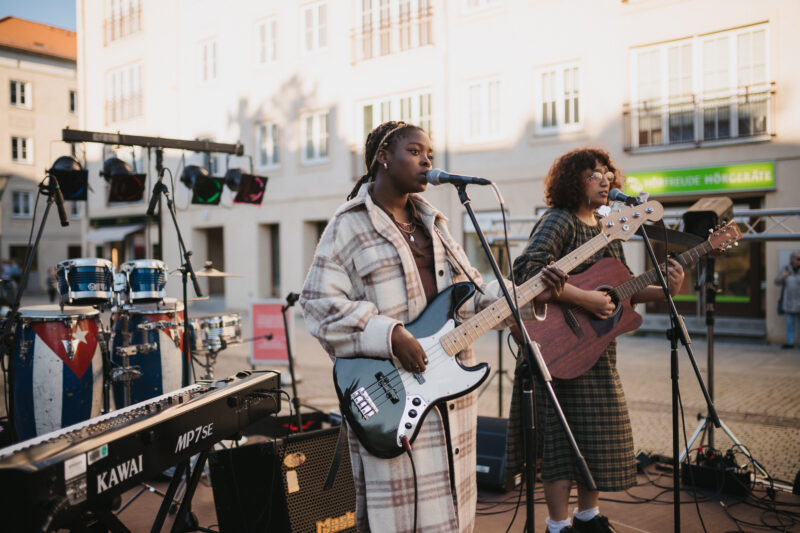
(385, 405)
(575, 339)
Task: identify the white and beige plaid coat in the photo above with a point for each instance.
(362, 283)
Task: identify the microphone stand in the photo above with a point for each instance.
(677, 331)
(185, 515)
(533, 356)
(291, 299)
(7, 340)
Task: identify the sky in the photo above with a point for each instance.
(59, 13)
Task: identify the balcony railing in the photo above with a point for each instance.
(122, 25)
(408, 30)
(746, 113)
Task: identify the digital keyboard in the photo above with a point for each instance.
(87, 465)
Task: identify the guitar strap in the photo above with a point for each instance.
(341, 443)
(452, 254)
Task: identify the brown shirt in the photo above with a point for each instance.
(421, 248)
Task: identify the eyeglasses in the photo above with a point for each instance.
(597, 176)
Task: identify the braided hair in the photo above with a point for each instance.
(382, 137)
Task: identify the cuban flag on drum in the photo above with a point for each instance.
(58, 374)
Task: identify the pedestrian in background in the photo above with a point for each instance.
(789, 279)
(52, 284)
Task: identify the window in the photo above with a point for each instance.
(558, 102)
(75, 209)
(315, 18)
(391, 26)
(315, 137)
(705, 88)
(483, 110)
(22, 149)
(20, 93)
(267, 139)
(73, 102)
(267, 39)
(472, 5)
(208, 60)
(414, 108)
(123, 18)
(124, 98)
(21, 204)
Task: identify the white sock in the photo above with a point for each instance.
(556, 526)
(586, 514)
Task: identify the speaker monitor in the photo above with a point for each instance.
(276, 485)
(706, 214)
(493, 473)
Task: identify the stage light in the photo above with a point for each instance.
(251, 190)
(207, 191)
(71, 177)
(248, 187)
(126, 186)
(114, 165)
(233, 178)
(192, 174)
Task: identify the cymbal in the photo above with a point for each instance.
(214, 273)
(209, 271)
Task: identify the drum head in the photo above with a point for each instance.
(52, 311)
(87, 261)
(143, 263)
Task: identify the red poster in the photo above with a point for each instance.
(268, 320)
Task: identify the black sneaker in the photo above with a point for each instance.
(787, 346)
(568, 529)
(598, 524)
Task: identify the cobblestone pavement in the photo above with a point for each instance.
(755, 388)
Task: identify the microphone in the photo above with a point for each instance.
(437, 177)
(59, 198)
(151, 208)
(616, 195)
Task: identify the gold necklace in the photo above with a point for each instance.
(407, 228)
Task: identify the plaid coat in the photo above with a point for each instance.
(362, 283)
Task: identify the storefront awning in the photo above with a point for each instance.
(112, 234)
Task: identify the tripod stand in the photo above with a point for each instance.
(708, 284)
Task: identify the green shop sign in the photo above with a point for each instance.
(742, 177)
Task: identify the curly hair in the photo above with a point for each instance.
(383, 136)
(564, 185)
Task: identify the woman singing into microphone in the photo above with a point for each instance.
(386, 254)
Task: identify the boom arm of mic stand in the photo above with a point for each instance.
(530, 348)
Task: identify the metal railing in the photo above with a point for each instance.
(755, 225)
(745, 113)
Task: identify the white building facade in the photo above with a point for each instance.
(670, 89)
(38, 97)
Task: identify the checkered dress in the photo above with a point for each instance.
(594, 403)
